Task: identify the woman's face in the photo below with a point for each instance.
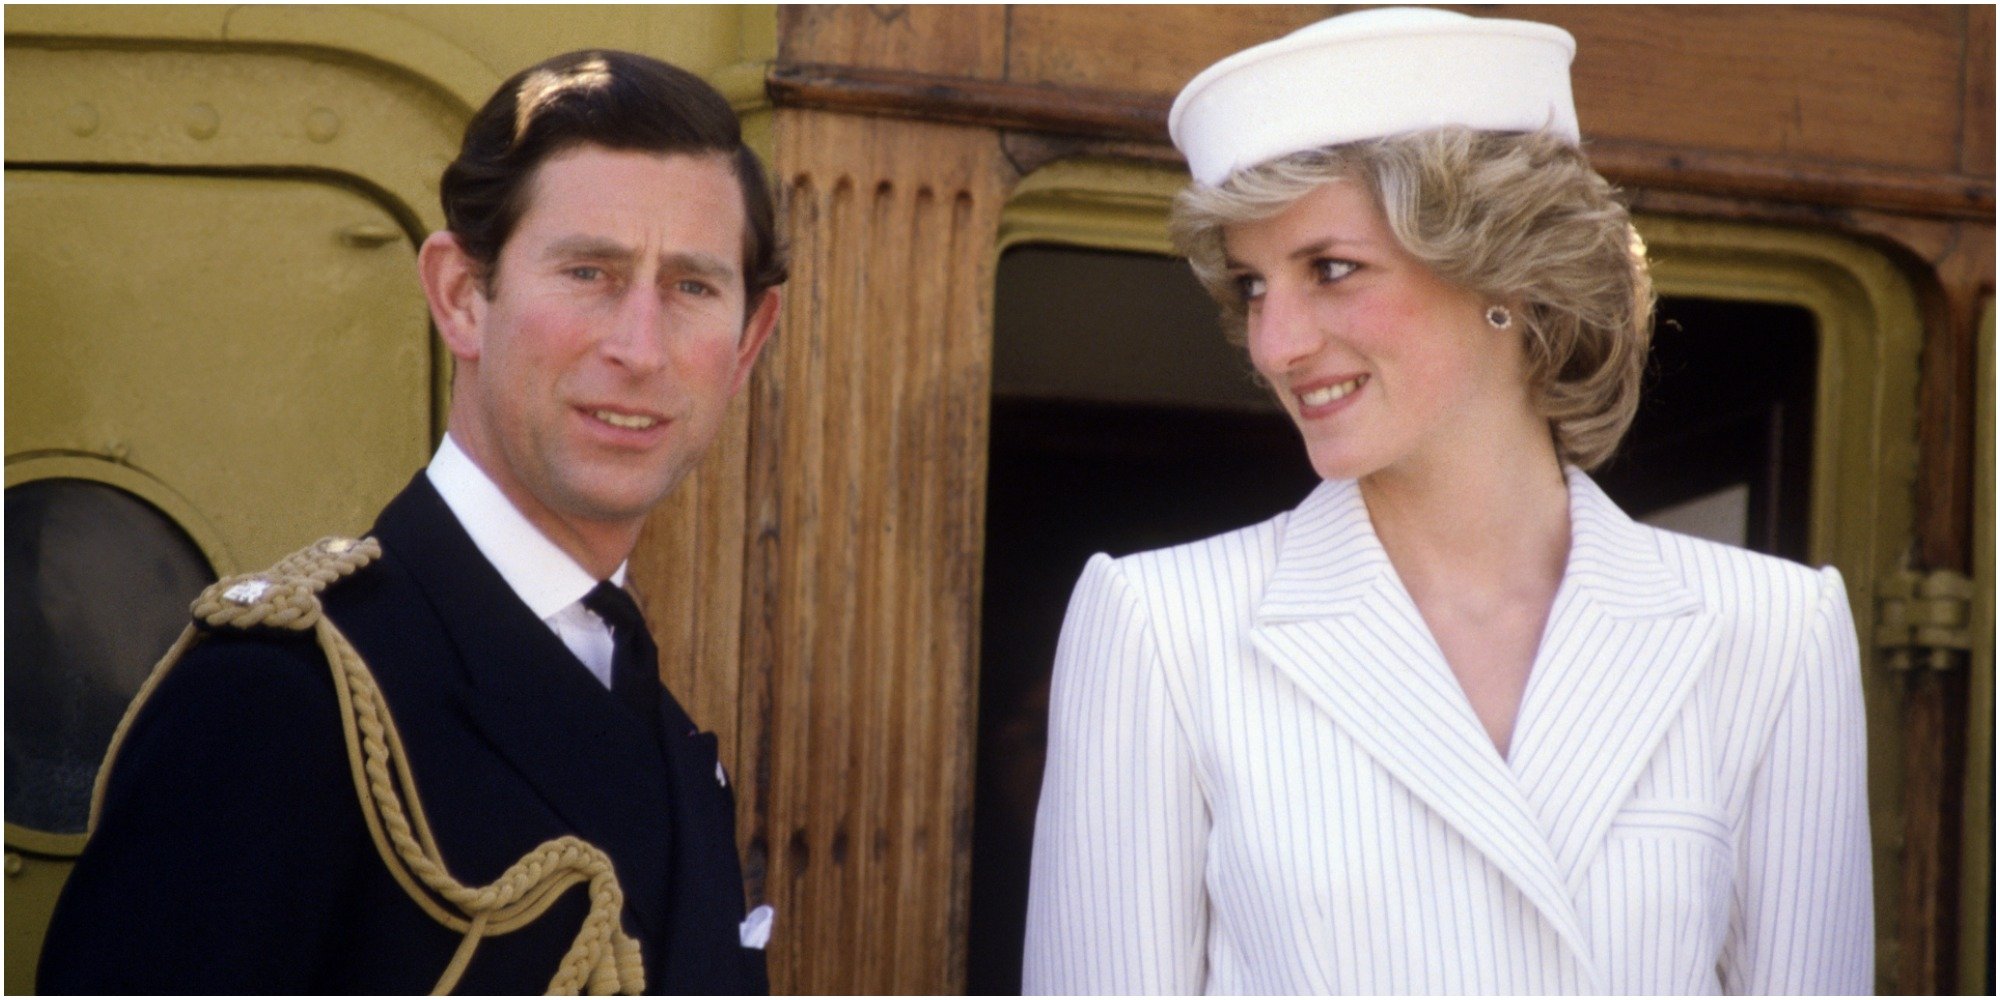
(1382, 364)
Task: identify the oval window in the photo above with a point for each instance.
(98, 587)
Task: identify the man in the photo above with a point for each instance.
(606, 282)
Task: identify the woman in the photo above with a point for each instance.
(1456, 724)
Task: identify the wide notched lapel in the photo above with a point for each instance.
(593, 763)
(1337, 621)
(1625, 644)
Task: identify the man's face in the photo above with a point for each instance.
(595, 372)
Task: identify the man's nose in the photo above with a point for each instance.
(637, 338)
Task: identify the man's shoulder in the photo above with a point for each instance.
(255, 661)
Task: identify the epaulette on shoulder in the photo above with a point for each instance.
(286, 595)
(603, 959)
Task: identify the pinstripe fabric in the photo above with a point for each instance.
(1263, 777)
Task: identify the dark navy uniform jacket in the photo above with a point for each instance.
(231, 855)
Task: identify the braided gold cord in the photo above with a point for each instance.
(602, 960)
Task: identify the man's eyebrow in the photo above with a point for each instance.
(593, 247)
(700, 265)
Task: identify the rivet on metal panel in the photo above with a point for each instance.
(202, 121)
(322, 125)
(368, 234)
(82, 119)
(13, 864)
(118, 451)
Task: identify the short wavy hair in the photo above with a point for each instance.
(1514, 217)
(603, 97)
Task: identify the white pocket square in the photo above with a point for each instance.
(755, 930)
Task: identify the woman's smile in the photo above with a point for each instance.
(1316, 399)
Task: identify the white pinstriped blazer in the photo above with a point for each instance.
(1263, 777)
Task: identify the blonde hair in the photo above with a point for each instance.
(1514, 217)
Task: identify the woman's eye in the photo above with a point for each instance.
(1249, 288)
(1329, 270)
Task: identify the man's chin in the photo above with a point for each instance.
(621, 503)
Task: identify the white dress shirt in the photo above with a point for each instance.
(543, 575)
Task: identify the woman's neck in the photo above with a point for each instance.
(1488, 521)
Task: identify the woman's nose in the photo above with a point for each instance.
(1280, 331)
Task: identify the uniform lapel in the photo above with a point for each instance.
(1625, 644)
(593, 763)
(1338, 622)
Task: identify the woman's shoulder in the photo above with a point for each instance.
(1772, 615)
(1731, 579)
(1646, 568)
(1231, 561)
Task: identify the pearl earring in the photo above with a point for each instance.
(1498, 317)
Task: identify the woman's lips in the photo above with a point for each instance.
(1320, 398)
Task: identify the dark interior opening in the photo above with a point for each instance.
(98, 585)
(1122, 421)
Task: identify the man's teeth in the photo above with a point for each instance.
(1327, 394)
(629, 421)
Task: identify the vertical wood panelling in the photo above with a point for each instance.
(868, 449)
(959, 39)
(688, 574)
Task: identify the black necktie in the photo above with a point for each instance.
(635, 661)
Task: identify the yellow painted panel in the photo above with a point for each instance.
(33, 881)
(244, 341)
(256, 346)
(463, 50)
(698, 39)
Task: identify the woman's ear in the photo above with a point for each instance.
(454, 286)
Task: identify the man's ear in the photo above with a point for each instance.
(456, 294)
(756, 331)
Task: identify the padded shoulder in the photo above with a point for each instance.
(286, 595)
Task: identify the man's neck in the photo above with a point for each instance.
(546, 576)
(597, 546)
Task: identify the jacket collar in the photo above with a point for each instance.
(546, 578)
(1625, 638)
(1329, 558)
(595, 765)
(1626, 641)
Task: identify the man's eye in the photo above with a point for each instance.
(692, 287)
(1328, 269)
(586, 272)
(1249, 287)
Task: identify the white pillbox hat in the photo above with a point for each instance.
(1370, 74)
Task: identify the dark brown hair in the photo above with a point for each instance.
(601, 97)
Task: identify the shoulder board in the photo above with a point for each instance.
(286, 595)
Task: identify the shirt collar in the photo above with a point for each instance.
(541, 573)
